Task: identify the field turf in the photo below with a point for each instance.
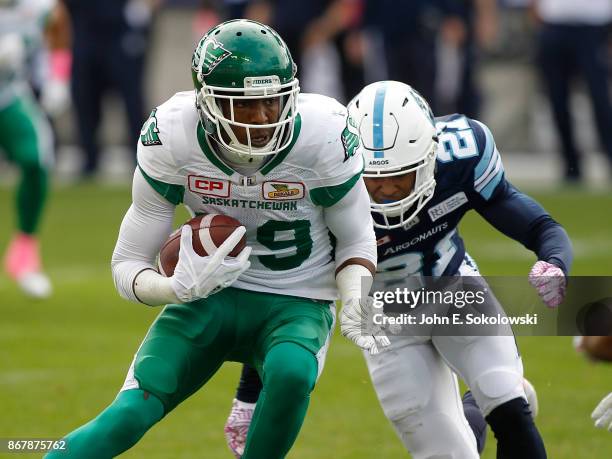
(63, 360)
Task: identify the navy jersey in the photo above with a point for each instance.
(469, 175)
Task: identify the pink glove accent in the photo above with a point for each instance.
(549, 281)
(60, 64)
(237, 426)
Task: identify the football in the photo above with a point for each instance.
(209, 232)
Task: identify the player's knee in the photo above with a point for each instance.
(406, 417)
(291, 379)
(402, 409)
(156, 375)
(493, 388)
(290, 370)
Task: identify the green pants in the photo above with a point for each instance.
(26, 139)
(284, 337)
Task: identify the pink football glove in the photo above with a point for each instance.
(549, 281)
(237, 426)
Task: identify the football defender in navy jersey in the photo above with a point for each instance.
(423, 174)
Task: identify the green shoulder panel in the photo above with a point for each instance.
(173, 193)
(329, 195)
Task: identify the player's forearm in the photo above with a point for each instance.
(354, 281)
(551, 243)
(145, 226)
(523, 219)
(139, 282)
(153, 289)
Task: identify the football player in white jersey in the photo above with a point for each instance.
(243, 144)
(423, 175)
(25, 138)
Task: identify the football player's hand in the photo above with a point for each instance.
(197, 277)
(55, 97)
(12, 52)
(549, 281)
(237, 426)
(602, 415)
(356, 324)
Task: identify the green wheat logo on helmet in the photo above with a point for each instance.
(209, 54)
(350, 138)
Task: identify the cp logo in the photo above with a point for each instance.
(209, 186)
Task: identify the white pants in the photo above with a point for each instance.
(419, 394)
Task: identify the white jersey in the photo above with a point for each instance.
(282, 205)
(22, 25)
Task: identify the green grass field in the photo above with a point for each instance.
(63, 360)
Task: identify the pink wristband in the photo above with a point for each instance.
(60, 63)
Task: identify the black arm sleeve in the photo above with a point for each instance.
(250, 385)
(521, 218)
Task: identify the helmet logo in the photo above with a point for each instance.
(378, 162)
(350, 138)
(208, 55)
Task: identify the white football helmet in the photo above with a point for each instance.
(398, 136)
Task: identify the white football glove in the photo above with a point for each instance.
(197, 277)
(356, 324)
(55, 97)
(237, 426)
(549, 281)
(602, 415)
(12, 52)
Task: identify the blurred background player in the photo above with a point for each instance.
(423, 175)
(573, 40)
(109, 47)
(323, 38)
(469, 28)
(25, 135)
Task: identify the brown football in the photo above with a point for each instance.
(209, 232)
